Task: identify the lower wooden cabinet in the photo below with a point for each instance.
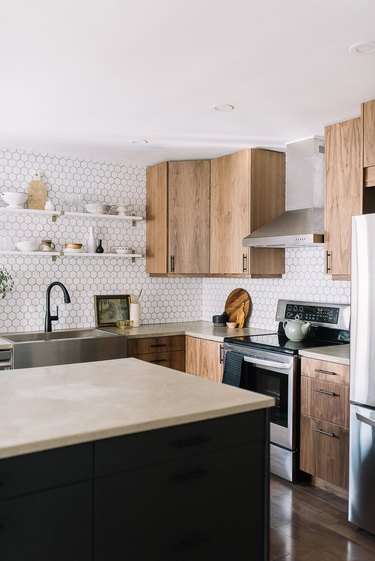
(166, 351)
(324, 449)
(204, 358)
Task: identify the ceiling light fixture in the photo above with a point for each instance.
(224, 107)
(364, 48)
(142, 141)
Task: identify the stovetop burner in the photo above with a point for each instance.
(280, 343)
(329, 326)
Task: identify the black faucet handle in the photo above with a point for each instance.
(56, 317)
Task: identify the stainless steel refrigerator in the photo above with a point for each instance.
(362, 375)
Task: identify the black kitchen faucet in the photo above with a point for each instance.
(49, 319)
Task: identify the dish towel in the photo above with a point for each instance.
(233, 369)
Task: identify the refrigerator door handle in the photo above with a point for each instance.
(367, 420)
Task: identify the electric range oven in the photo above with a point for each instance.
(270, 364)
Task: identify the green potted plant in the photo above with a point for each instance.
(6, 282)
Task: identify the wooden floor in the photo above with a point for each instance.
(308, 524)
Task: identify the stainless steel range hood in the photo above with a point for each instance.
(303, 222)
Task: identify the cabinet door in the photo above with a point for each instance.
(156, 219)
(368, 120)
(344, 193)
(267, 202)
(324, 400)
(204, 358)
(50, 525)
(184, 509)
(325, 451)
(170, 359)
(230, 213)
(189, 217)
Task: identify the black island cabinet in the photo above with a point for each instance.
(192, 492)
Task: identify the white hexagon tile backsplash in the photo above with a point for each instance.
(304, 279)
(163, 299)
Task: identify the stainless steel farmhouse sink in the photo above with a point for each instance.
(65, 347)
(56, 335)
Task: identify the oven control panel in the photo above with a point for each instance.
(319, 314)
(331, 315)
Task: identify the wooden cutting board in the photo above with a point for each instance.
(237, 300)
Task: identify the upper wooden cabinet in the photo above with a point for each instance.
(368, 131)
(343, 193)
(247, 190)
(178, 218)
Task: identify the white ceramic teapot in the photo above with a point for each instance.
(296, 329)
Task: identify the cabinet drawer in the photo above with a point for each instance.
(325, 451)
(43, 470)
(324, 400)
(120, 454)
(196, 495)
(54, 525)
(155, 344)
(324, 370)
(171, 359)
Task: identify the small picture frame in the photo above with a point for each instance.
(111, 308)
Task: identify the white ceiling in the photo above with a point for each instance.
(87, 77)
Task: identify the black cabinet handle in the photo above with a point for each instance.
(172, 263)
(190, 442)
(189, 542)
(329, 372)
(324, 392)
(188, 475)
(321, 431)
(159, 345)
(160, 360)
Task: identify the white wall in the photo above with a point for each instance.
(163, 299)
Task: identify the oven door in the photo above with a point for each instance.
(272, 374)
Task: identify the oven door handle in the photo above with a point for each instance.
(271, 363)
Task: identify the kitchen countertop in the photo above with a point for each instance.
(4, 344)
(55, 406)
(335, 353)
(200, 329)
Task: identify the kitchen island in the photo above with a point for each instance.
(121, 459)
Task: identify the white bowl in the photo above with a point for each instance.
(14, 200)
(120, 249)
(97, 208)
(27, 245)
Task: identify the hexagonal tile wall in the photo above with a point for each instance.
(304, 279)
(103, 182)
(163, 299)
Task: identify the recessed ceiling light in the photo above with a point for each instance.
(364, 48)
(224, 107)
(143, 141)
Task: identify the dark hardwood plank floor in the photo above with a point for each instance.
(309, 524)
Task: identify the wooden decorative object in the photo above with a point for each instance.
(239, 298)
(37, 192)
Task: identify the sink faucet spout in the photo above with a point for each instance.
(49, 318)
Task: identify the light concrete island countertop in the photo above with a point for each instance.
(201, 329)
(335, 353)
(55, 406)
